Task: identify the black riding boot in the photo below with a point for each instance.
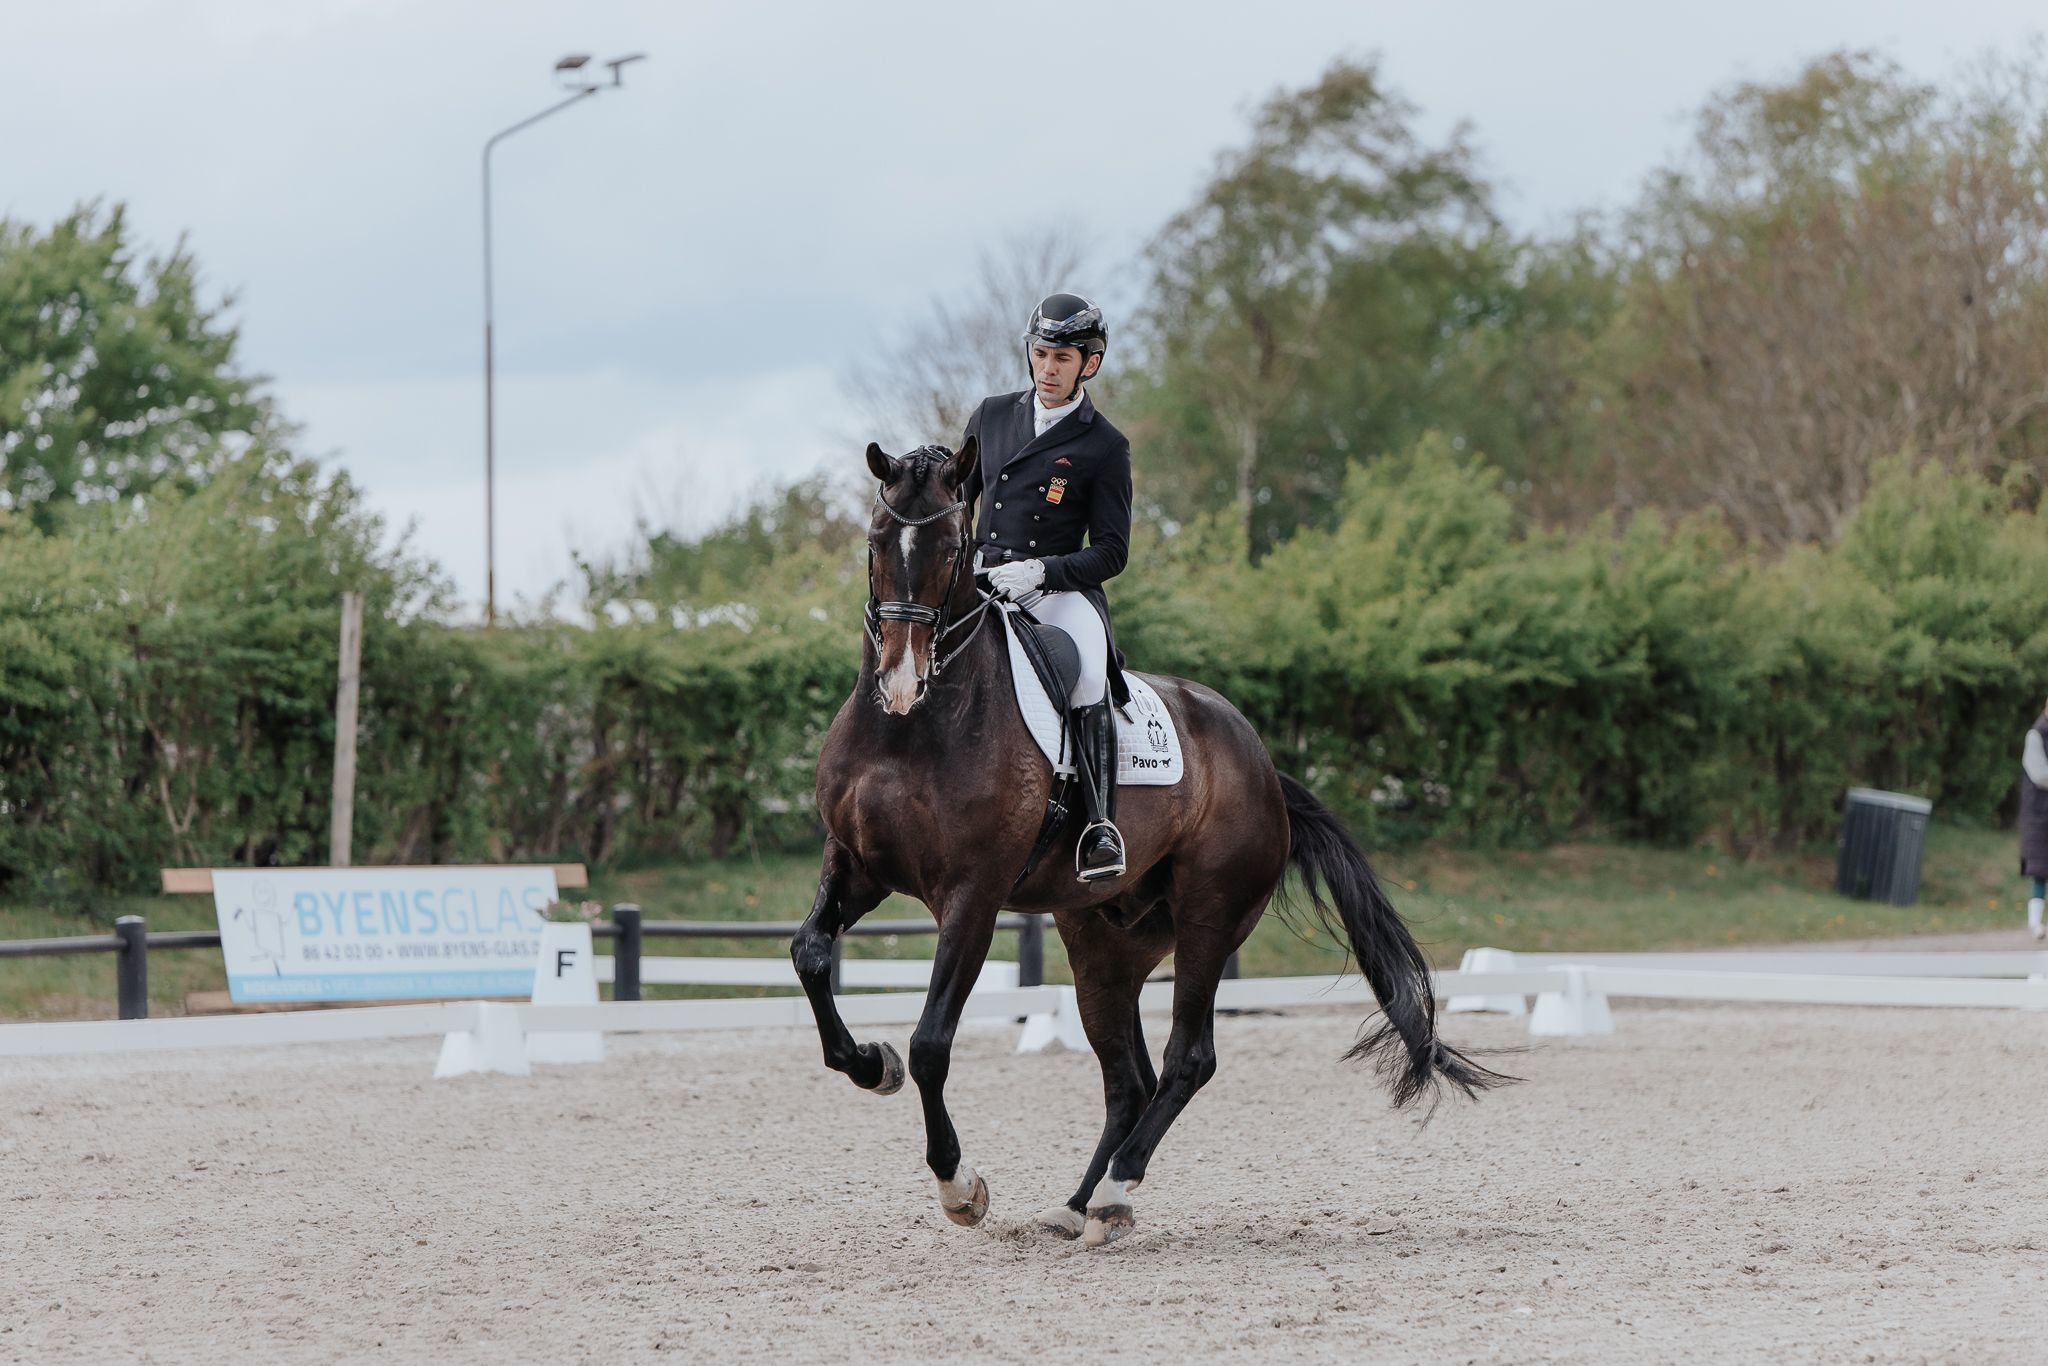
(1100, 853)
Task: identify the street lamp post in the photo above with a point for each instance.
(571, 70)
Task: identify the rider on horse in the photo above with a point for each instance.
(941, 802)
(1053, 472)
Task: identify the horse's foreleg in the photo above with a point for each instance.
(845, 894)
(1198, 958)
(965, 927)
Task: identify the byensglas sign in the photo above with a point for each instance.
(358, 934)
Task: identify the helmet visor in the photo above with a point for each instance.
(1079, 330)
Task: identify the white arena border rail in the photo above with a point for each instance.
(1804, 962)
(59, 1038)
(1571, 991)
(675, 970)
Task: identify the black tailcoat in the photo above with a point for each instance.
(1063, 498)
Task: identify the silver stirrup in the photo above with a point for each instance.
(1111, 870)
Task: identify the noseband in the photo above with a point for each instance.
(916, 613)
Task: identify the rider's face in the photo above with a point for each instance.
(1053, 372)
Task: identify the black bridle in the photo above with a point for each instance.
(916, 613)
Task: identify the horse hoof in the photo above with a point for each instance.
(970, 1212)
(1062, 1221)
(1107, 1223)
(892, 1071)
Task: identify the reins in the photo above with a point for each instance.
(916, 613)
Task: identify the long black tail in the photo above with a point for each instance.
(1405, 1048)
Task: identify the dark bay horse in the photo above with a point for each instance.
(929, 785)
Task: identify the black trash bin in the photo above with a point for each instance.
(1883, 834)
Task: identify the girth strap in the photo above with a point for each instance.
(1058, 807)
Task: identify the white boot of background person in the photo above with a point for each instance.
(2033, 822)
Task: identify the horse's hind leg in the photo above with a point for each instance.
(845, 894)
(1110, 966)
(1199, 953)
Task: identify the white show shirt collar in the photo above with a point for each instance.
(1043, 417)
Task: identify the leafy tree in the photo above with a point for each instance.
(1300, 305)
(782, 538)
(167, 674)
(115, 377)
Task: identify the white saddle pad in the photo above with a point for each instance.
(1147, 742)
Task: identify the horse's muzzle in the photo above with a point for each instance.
(901, 688)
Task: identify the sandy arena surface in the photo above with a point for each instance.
(1711, 1183)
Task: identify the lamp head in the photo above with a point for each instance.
(570, 72)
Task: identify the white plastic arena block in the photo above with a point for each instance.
(1575, 1012)
(2039, 979)
(1062, 1026)
(1487, 960)
(494, 1045)
(566, 975)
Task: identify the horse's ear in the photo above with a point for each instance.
(963, 462)
(880, 463)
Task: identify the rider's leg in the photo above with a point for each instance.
(1074, 614)
(1101, 850)
(2035, 906)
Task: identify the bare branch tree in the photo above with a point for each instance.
(1856, 270)
(930, 379)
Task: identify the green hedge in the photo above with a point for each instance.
(1439, 673)
(166, 689)
(167, 695)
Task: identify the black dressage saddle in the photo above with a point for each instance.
(1054, 657)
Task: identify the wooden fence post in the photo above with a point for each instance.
(342, 831)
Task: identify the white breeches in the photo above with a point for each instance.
(1075, 615)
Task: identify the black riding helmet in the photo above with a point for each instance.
(1066, 320)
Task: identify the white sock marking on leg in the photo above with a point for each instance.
(1069, 1221)
(960, 1190)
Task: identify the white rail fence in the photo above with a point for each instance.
(1571, 992)
(1801, 962)
(679, 971)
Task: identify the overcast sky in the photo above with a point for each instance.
(687, 268)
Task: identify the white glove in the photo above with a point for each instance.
(1014, 580)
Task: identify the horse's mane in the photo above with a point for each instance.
(920, 473)
(924, 460)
